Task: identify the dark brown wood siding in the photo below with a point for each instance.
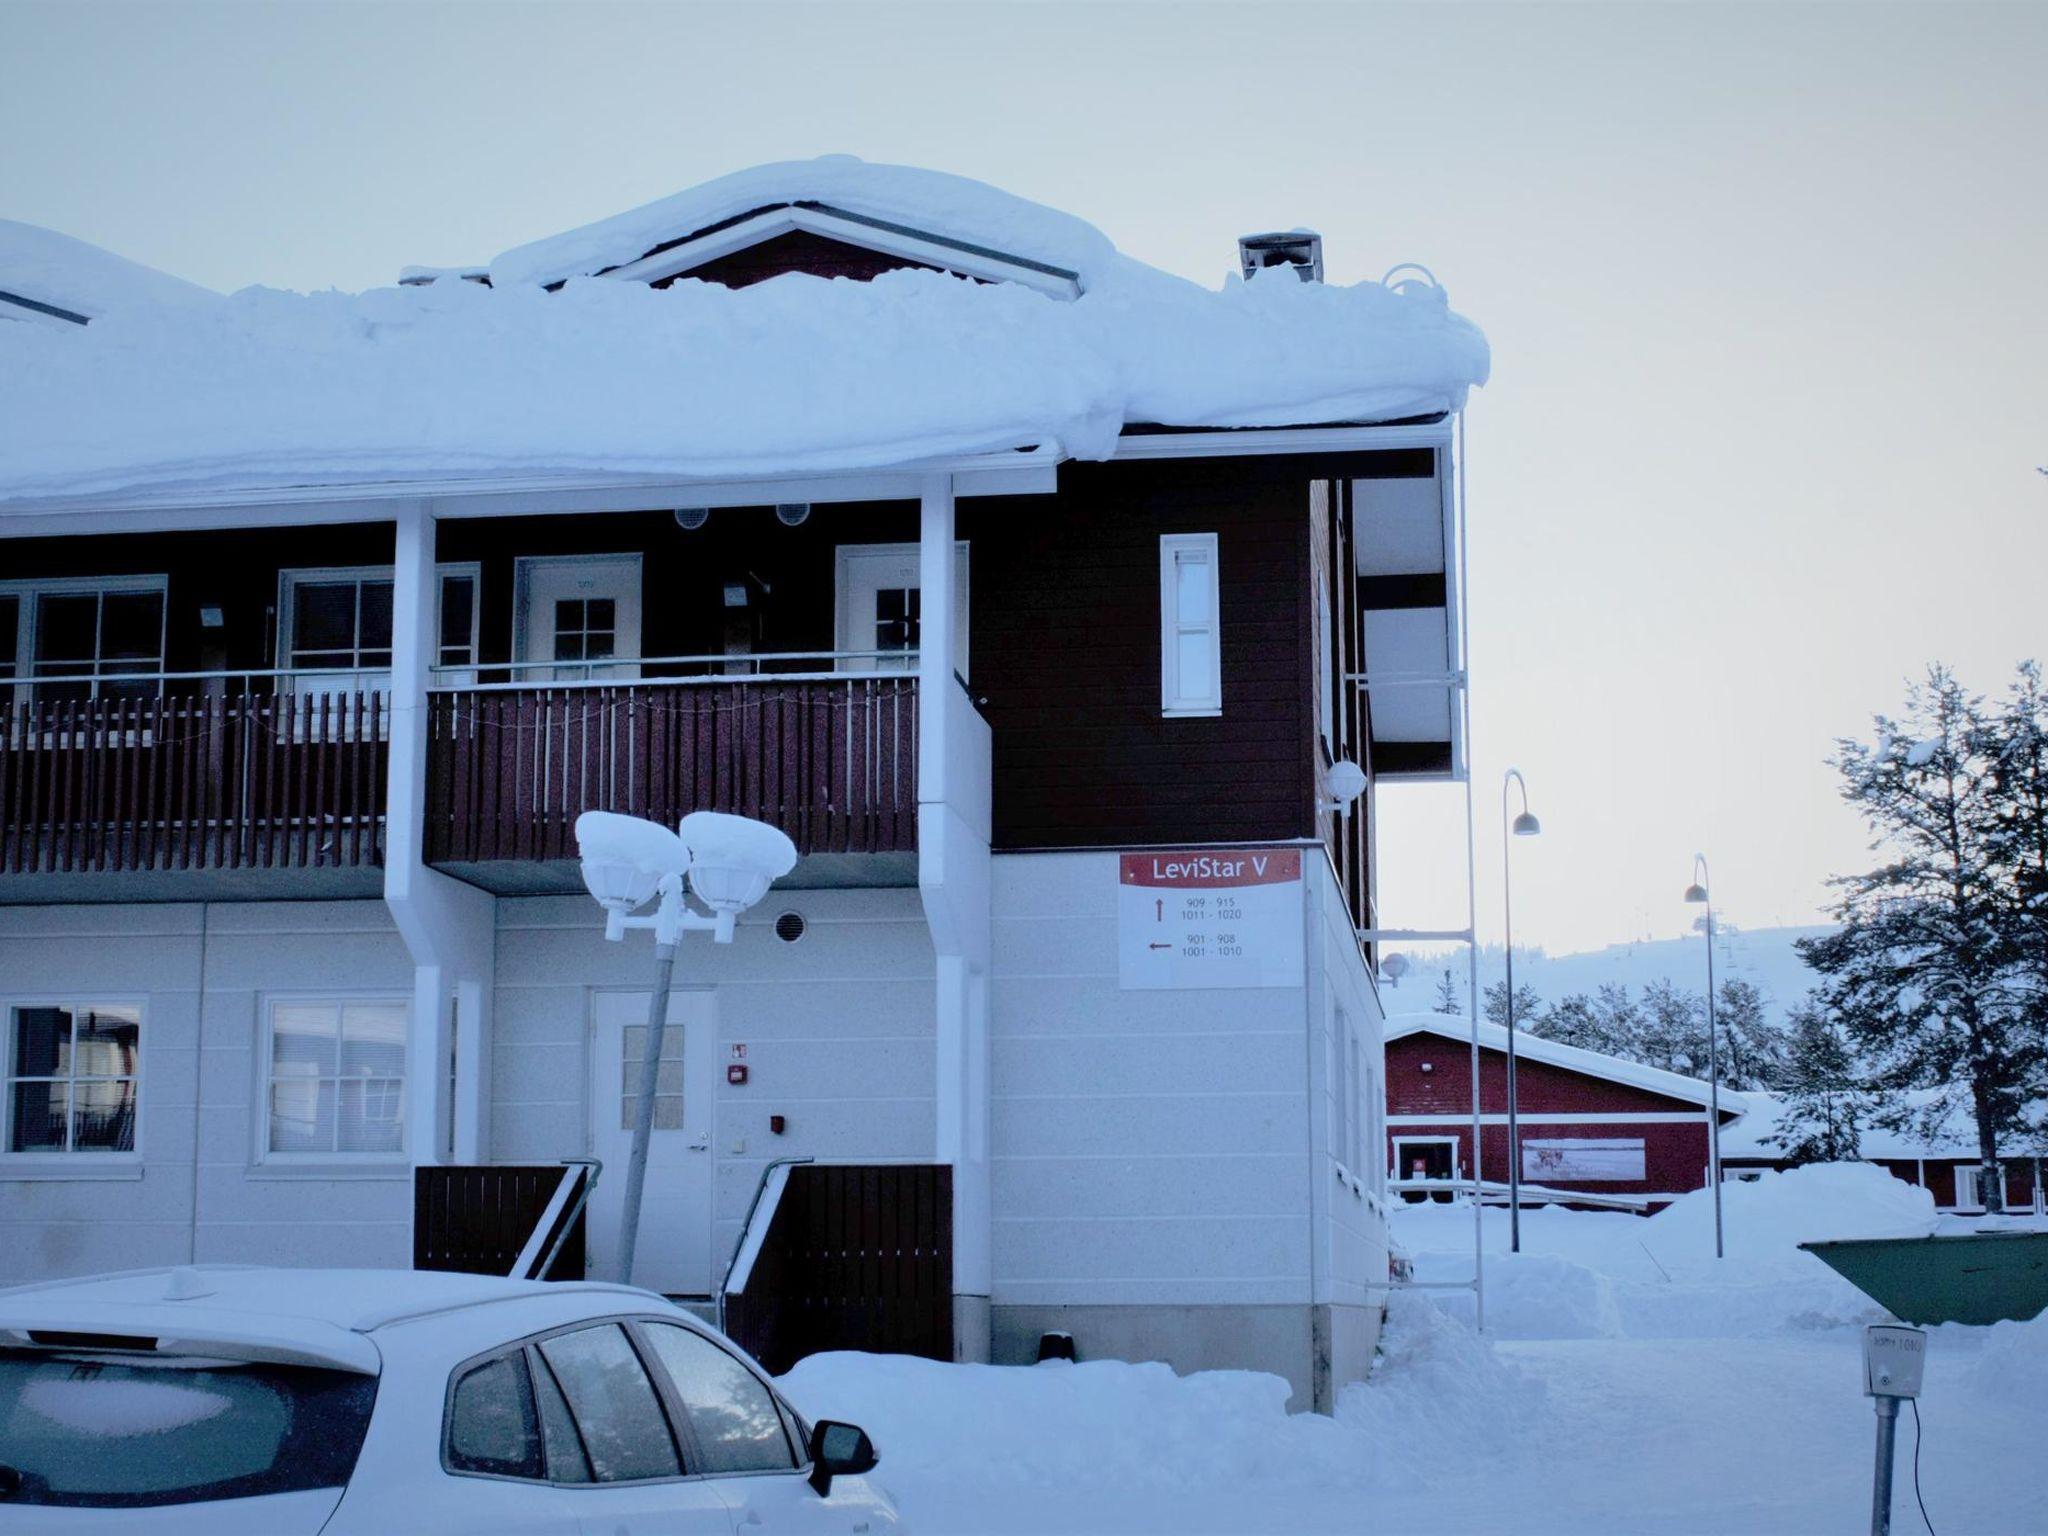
(1065, 650)
(798, 251)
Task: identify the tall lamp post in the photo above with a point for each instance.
(1524, 825)
(729, 862)
(1699, 894)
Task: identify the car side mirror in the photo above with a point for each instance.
(839, 1450)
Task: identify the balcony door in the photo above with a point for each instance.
(880, 607)
(674, 1253)
(578, 613)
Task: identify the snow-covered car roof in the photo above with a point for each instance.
(296, 1316)
(449, 383)
(1571, 1058)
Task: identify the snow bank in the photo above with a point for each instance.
(2013, 1367)
(55, 269)
(453, 380)
(1766, 1220)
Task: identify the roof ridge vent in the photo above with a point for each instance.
(1301, 249)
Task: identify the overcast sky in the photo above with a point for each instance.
(1767, 288)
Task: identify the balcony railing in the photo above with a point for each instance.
(206, 771)
(828, 756)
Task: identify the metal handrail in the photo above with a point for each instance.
(747, 1226)
(573, 1214)
(23, 679)
(698, 680)
(707, 658)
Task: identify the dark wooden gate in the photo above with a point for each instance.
(476, 1220)
(854, 1258)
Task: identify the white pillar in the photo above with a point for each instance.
(954, 879)
(449, 927)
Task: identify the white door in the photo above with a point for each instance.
(674, 1252)
(880, 611)
(578, 610)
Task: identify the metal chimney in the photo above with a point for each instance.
(1301, 249)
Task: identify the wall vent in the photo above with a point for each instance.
(790, 927)
(1301, 249)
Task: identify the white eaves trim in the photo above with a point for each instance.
(1457, 1031)
(680, 260)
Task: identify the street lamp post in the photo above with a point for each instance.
(729, 863)
(1699, 894)
(1524, 825)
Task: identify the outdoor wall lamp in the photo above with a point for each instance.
(729, 862)
(1346, 782)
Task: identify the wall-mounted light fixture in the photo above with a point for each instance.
(690, 519)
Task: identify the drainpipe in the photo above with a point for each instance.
(953, 878)
(449, 928)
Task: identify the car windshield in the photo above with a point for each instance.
(113, 1432)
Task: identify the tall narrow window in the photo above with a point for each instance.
(72, 1070)
(337, 1077)
(1190, 646)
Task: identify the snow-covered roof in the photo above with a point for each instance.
(1571, 1058)
(451, 381)
(1954, 1139)
(50, 276)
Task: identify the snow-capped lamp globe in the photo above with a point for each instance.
(733, 861)
(626, 862)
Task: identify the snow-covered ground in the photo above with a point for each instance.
(1629, 1383)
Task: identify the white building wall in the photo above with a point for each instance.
(1149, 1147)
(838, 1028)
(201, 973)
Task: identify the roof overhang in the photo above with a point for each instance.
(1457, 1031)
(1405, 542)
(693, 251)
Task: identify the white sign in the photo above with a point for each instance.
(1585, 1161)
(1209, 917)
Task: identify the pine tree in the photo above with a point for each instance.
(1674, 1029)
(1447, 996)
(1921, 970)
(1825, 1102)
(1752, 1047)
(2016, 834)
(1527, 1005)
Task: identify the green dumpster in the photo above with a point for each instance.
(1977, 1277)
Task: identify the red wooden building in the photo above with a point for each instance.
(1594, 1129)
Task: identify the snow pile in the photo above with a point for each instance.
(1436, 1383)
(1100, 1422)
(453, 380)
(1765, 1220)
(2013, 1367)
(55, 269)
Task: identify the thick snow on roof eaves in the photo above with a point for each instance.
(1457, 1030)
(453, 381)
(69, 274)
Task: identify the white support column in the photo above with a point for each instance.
(450, 928)
(954, 880)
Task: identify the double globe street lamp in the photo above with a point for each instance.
(729, 862)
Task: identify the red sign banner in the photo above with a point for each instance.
(1209, 869)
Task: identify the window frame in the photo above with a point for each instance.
(28, 589)
(268, 1157)
(1175, 702)
(675, 1413)
(314, 679)
(71, 1159)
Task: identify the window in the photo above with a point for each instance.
(1344, 1091)
(87, 1431)
(738, 1426)
(492, 1427)
(668, 1083)
(340, 621)
(586, 628)
(92, 631)
(72, 1071)
(616, 1409)
(1191, 667)
(337, 1077)
(1327, 685)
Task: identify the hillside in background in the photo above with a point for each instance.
(1763, 957)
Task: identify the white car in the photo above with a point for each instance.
(278, 1402)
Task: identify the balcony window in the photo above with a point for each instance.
(72, 1075)
(335, 1084)
(335, 626)
(85, 635)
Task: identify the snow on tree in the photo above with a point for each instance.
(1527, 1005)
(2016, 834)
(1608, 1021)
(1447, 996)
(1825, 1102)
(1674, 1029)
(1923, 971)
(1752, 1047)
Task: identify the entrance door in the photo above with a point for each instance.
(880, 610)
(579, 609)
(1425, 1157)
(674, 1252)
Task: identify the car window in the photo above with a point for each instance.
(110, 1432)
(566, 1461)
(731, 1409)
(491, 1423)
(624, 1431)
